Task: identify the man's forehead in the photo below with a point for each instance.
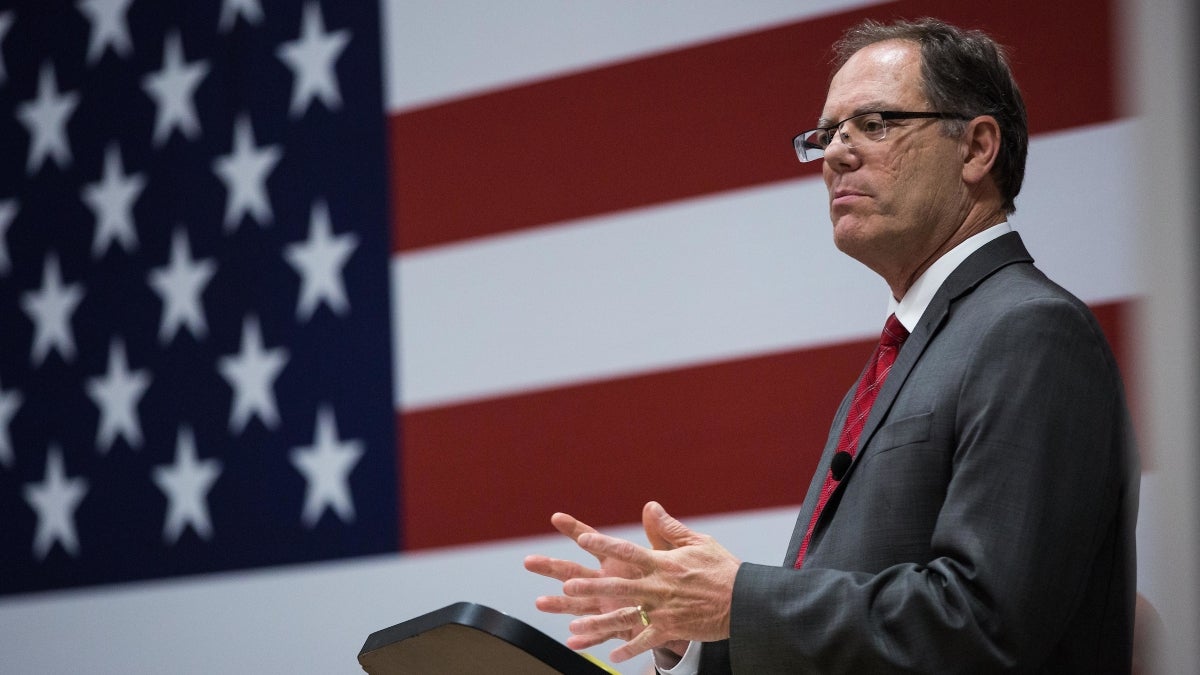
(880, 76)
(895, 52)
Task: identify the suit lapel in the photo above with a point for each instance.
(818, 479)
(980, 265)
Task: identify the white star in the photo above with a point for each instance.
(320, 260)
(46, 119)
(326, 465)
(117, 394)
(186, 484)
(8, 211)
(6, 21)
(311, 58)
(10, 403)
(55, 500)
(111, 200)
(109, 27)
(244, 172)
(180, 284)
(249, 10)
(174, 89)
(50, 308)
(252, 374)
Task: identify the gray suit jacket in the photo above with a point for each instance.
(987, 522)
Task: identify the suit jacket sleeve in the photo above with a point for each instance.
(1027, 454)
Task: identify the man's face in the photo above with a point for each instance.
(894, 202)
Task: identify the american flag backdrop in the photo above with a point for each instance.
(195, 360)
(378, 287)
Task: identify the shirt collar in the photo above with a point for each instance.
(911, 307)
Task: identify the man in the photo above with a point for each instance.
(973, 509)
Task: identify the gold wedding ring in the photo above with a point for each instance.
(644, 616)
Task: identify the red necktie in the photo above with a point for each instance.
(893, 336)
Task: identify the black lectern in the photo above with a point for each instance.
(469, 639)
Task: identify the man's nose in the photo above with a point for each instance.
(839, 154)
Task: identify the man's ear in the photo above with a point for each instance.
(981, 145)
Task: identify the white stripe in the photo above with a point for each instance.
(314, 618)
(726, 276)
(437, 50)
(1078, 210)
(311, 618)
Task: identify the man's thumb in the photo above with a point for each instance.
(663, 531)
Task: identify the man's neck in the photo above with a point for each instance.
(978, 219)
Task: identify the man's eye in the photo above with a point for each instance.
(872, 126)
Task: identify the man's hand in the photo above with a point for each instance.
(564, 570)
(685, 586)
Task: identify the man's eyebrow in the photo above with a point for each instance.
(873, 106)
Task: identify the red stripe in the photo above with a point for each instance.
(713, 117)
(727, 437)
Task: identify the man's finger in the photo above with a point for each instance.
(604, 546)
(621, 622)
(650, 523)
(578, 642)
(557, 604)
(663, 531)
(558, 569)
(642, 642)
(610, 588)
(570, 525)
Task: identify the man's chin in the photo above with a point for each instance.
(858, 240)
(849, 233)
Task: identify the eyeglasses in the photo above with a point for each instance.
(871, 126)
